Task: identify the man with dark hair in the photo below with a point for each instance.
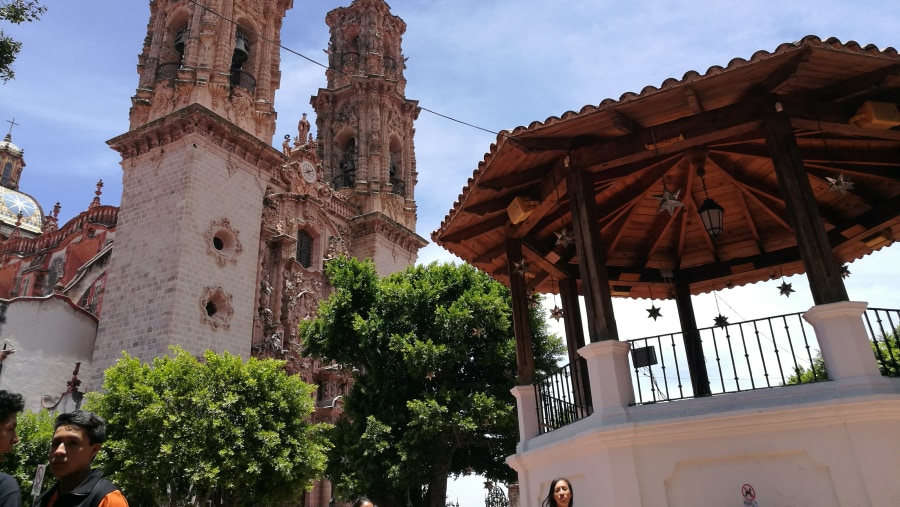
(10, 406)
(76, 440)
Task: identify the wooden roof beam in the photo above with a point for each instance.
(533, 254)
(693, 101)
(550, 190)
(783, 74)
(471, 232)
(520, 178)
(702, 129)
(880, 163)
(622, 122)
(859, 86)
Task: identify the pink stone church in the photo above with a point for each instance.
(220, 238)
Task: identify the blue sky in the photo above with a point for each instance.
(496, 64)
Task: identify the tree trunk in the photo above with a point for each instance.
(437, 486)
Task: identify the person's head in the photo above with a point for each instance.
(10, 406)
(560, 494)
(77, 438)
(362, 501)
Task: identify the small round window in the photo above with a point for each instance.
(217, 309)
(222, 242)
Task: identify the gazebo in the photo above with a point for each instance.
(785, 163)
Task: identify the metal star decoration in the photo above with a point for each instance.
(840, 184)
(785, 289)
(564, 238)
(845, 271)
(556, 313)
(668, 201)
(654, 312)
(721, 321)
(520, 267)
(478, 332)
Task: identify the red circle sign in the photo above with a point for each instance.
(748, 492)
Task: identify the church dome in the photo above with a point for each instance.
(12, 203)
(7, 145)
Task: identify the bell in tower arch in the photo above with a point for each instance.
(179, 41)
(241, 49)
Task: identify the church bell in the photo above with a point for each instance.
(179, 41)
(241, 49)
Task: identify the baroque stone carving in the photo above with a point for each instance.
(216, 307)
(222, 242)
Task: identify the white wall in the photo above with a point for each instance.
(825, 444)
(50, 334)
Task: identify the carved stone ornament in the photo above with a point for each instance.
(216, 308)
(222, 242)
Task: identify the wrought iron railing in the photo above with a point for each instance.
(562, 398)
(883, 326)
(756, 354)
(244, 80)
(350, 59)
(168, 70)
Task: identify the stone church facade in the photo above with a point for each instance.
(220, 239)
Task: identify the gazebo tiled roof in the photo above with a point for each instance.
(840, 99)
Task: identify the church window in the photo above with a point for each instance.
(395, 174)
(304, 248)
(222, 242)
(347, 176)
(217, 308)
(7, 174)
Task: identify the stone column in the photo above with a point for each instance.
(610, 377)
(526, 406)
(843, 341)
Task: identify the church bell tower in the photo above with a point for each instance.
(365, 129)
(195, 164)
(223, 55)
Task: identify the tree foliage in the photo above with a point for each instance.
(435, 354)
(887, 352)
(886, 348)
(35, 431)
(183, 432)
(15, 12)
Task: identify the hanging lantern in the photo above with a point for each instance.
(712, 215)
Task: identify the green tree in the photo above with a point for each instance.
(815, 373)
(35, 431)
(886, 348)
(887, 352)
(183, 431)
(15, 12)
(434, 357)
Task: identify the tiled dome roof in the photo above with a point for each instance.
(13, 202)
(7, 145)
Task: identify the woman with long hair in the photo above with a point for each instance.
(561, 494)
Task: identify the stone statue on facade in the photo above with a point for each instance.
(303, 128)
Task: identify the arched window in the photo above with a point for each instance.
(347, 175)
(395, 173)
(304, 248)
(7, 174)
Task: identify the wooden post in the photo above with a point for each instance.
(591, 258)
(521, 320)
(692, 344)
(568, 293)
(822, 270)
